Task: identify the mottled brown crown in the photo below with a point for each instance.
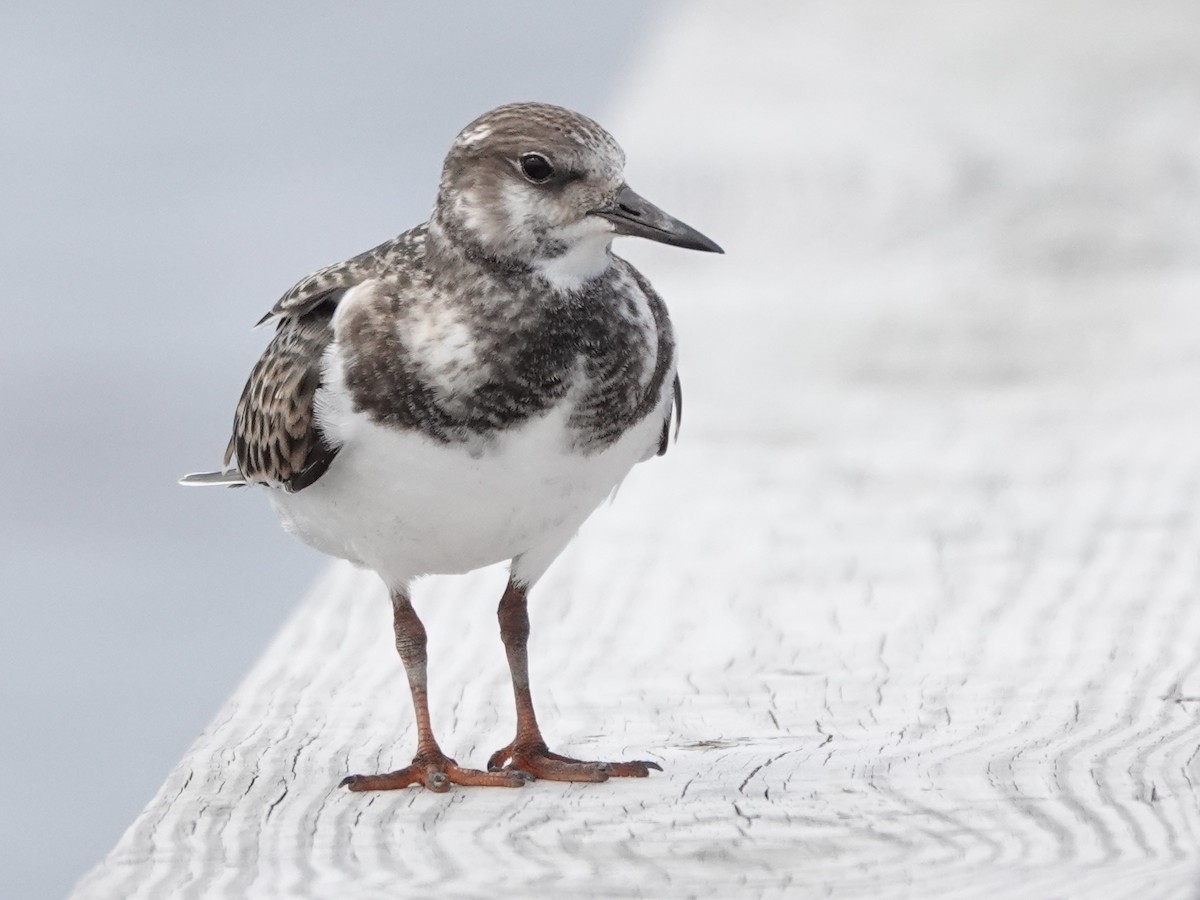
(519, 127)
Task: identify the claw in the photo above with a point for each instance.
(496, 761)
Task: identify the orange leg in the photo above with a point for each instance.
(528, 752)
(430, 767)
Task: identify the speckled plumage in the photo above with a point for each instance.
(469, 391)
(525, 355)
(275, 440)
(526, 342)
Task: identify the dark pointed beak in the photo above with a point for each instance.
(634, 215)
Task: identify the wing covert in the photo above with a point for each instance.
(276, 440)
(327, 285)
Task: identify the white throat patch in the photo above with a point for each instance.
(587, 257)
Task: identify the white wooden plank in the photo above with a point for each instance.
(913, 609)
(975, 691)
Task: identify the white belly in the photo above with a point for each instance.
(406, 505)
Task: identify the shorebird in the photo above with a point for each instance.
(468, 393)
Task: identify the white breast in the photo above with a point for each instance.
(405, 504)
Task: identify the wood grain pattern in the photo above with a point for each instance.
(914, 608)
(986, 689)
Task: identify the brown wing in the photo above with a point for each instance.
(328, 284)
(276, 440)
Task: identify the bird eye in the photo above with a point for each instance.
(536, 168)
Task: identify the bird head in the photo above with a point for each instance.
(543, 188)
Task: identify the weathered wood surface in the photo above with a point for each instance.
(918, 616)
(986, 686)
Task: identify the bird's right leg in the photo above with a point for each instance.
(430, 767)
(528, 751)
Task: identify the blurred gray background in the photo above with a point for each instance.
(168, 172)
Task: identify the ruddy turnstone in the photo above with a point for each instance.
(468, 392)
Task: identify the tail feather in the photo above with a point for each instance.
(232, 478)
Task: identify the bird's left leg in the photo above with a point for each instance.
(430, 767)
(528, 751)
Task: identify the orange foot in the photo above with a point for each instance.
(537, 760)
(435, 771)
